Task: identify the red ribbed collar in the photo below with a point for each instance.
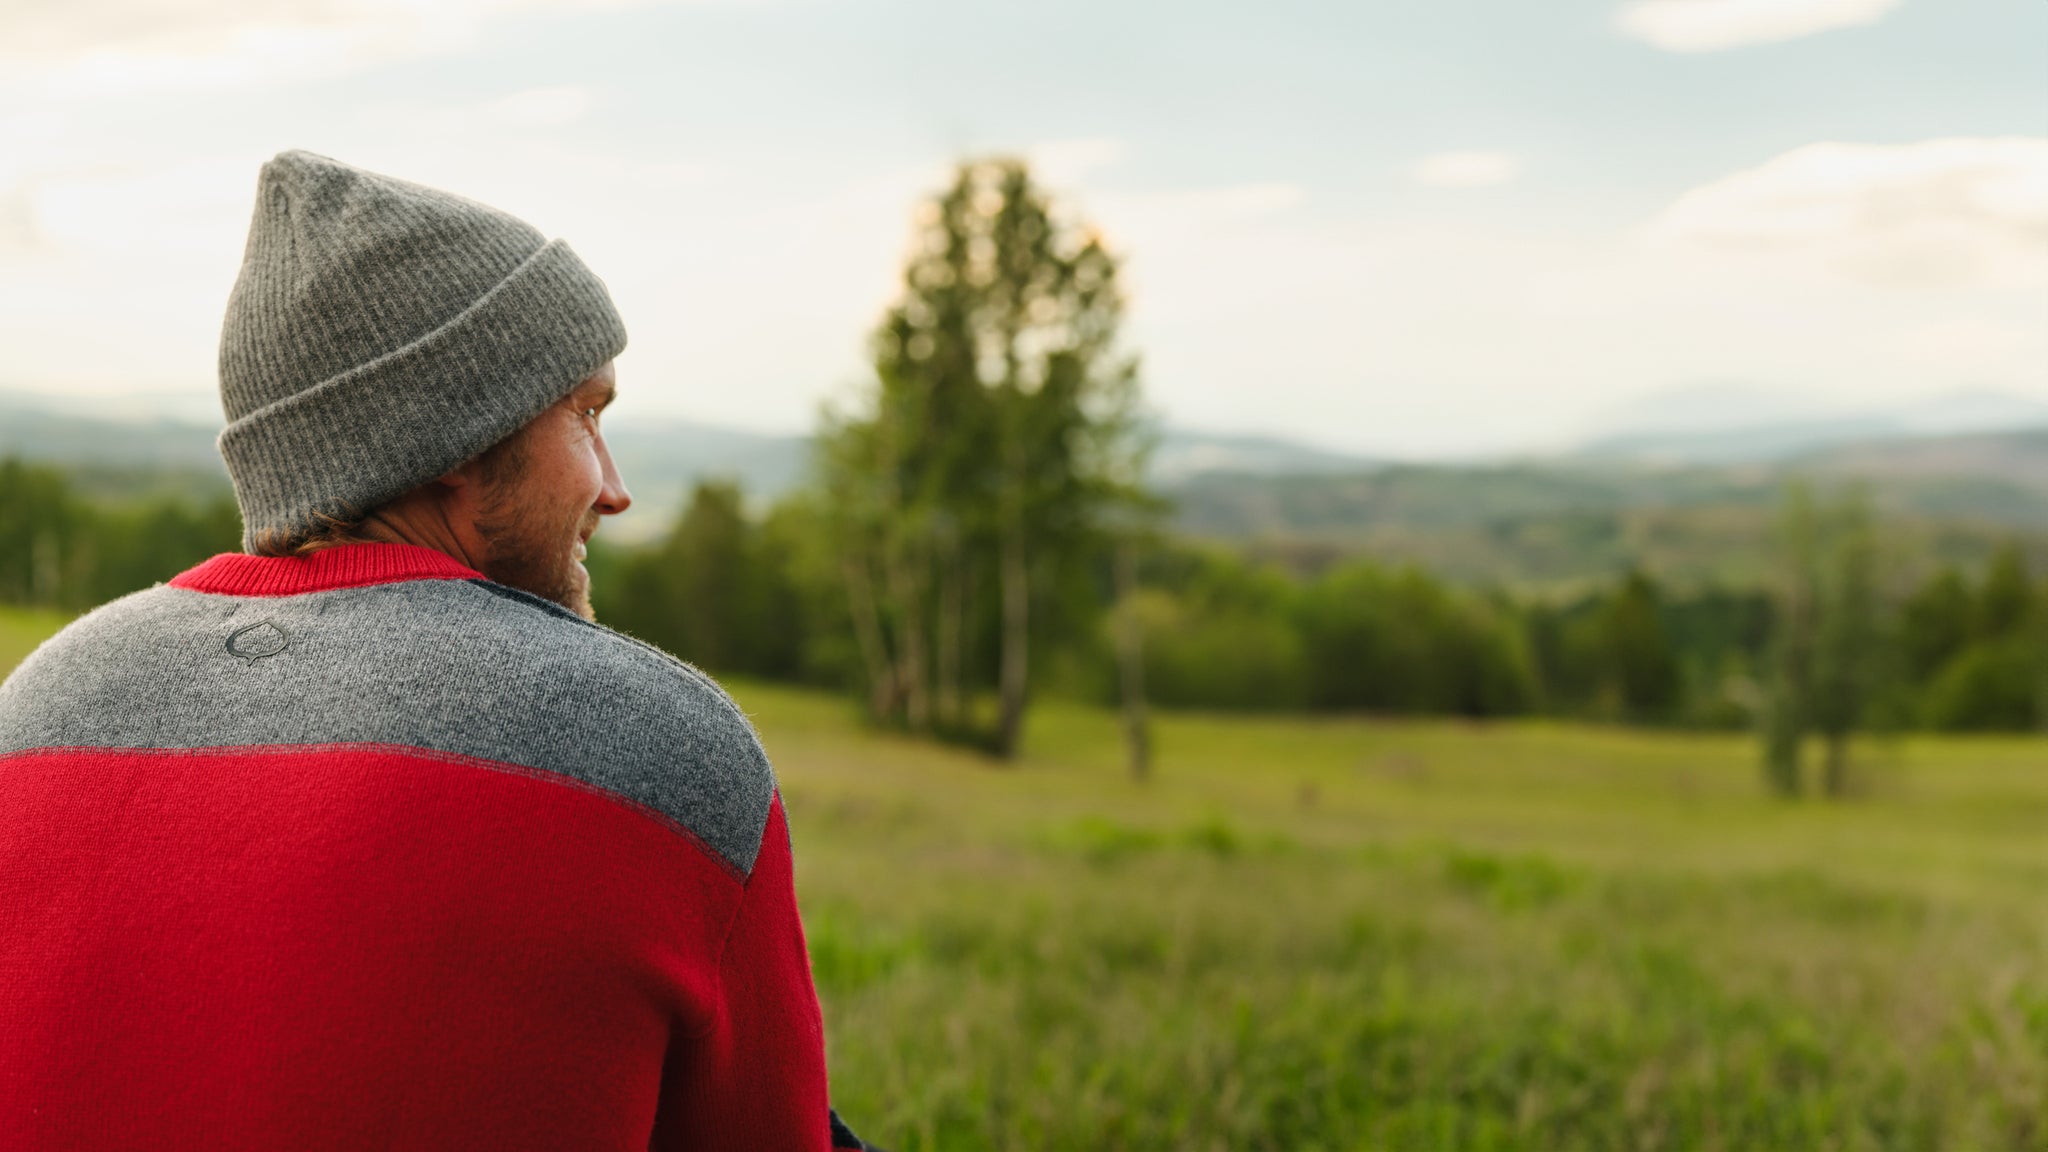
(343, 566)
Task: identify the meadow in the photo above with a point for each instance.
(21, 629)
(1362, 934)
(1350, 934)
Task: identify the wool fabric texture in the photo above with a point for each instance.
(380, 333)
(361, 850)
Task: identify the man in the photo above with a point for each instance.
(368, 837)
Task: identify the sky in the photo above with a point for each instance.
(1422, 230)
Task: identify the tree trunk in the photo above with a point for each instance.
(1130, 653)
(1837, 777)
(952, 598)
(910, 645)
(1784, 734)
(1016, 582)
(867, 630)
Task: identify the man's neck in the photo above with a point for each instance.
(425, 524)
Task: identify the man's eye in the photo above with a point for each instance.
(590, 412)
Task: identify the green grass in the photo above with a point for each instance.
(1346, 934)
(1353, 935)
(21, 629)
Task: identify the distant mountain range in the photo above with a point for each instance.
(1732, 424)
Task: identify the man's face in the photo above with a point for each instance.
(541, 492)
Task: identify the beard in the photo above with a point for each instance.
(530, 545)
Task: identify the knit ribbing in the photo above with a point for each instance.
(381, 333)
(345, 566)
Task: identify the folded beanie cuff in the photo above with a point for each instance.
(355, 441)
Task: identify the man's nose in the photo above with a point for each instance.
(612, 498)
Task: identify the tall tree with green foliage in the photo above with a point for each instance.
(1996, 676)
(1846, 643)
(1936, 623)
(1829, 652)
(2007, 600)
(997, 440)
(1788, 711)
(1643, 667)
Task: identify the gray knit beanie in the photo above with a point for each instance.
(380, 334)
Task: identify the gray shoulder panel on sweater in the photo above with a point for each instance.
(464, 667)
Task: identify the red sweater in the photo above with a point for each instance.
(361, 851)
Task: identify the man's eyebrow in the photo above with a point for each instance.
(611, 393)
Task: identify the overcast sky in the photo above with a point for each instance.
(1439, 228)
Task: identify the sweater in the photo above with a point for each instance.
(361, 850)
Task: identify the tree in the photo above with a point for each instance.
(1991, 686)
(1000, 428)
(710, 592)
(2006, 604)
(42, 529)
(1989, 673)
(1644, 667)
(1935, 624)
(60, 550)
(1403, 641)
(1846, 642)
(1130, 661)
(1790, 685)
(1829, 647)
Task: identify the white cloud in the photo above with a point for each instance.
(1954, 213)
(1712, 25)
(1464, 169)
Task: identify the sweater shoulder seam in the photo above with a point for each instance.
(510, 768)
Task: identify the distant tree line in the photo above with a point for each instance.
(761, 595)
(61, 550)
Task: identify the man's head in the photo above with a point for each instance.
(521, 512)
(398, 362)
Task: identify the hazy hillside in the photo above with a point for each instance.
(1552, 524)
(1720, 424)
(37, 432)
(1543, 523)
(2017, 459)
(116, 458)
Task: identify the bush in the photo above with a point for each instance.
(1229, 659)
(1993, 685)
(1401, 641)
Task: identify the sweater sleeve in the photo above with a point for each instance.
(755, 1078)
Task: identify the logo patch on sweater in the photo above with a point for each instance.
(256, 641)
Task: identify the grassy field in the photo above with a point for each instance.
(1350, 934)
(21, 630)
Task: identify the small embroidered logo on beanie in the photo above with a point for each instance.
(257, 641)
